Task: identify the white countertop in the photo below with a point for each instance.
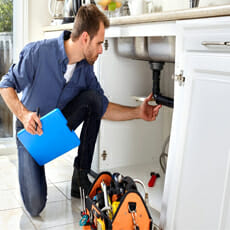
(192, 13)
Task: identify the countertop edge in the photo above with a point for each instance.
(192, 13)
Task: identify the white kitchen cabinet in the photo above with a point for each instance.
(196, 187)
(201, 199)
(194, 193)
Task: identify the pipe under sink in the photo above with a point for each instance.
(157, 49)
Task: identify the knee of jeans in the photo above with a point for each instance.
(95, 102)
(35, 204)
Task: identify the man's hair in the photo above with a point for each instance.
(88, 19)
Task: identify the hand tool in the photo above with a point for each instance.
(85, 216)
(107, 207)
(81, 199)
(100, 224)
(84, 201)
(117, 182)
(153, 178)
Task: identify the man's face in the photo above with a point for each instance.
(94, 46)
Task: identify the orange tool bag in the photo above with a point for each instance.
(113, 203)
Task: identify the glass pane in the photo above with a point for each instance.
(6, 59)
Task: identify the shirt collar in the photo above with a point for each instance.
(65, 35)
(63, 59)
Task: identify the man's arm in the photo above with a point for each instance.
(27, 117)
(116, 112)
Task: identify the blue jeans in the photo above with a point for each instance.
(87, 107)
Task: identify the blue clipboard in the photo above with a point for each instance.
(56, 139)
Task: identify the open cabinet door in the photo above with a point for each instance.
(175, 152)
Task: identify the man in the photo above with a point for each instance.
(58, 73)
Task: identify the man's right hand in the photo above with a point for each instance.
(27, 117)
(29, 121)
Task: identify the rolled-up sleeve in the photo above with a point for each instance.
(21, 75)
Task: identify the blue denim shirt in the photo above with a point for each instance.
(39, 75)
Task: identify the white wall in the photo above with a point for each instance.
(204, 3)
(30, 16)
(168, 5)
(38, 17)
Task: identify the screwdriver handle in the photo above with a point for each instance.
(153, 178)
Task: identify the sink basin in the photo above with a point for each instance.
(147, 48)
(161, 49)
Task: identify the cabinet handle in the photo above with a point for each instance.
(205, 43)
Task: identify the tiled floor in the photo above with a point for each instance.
(61, 212)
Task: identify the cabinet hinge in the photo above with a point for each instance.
(180, 77)
(104, 155)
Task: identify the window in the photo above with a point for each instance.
(6, 59)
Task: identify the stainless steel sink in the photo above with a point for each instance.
(161, 49)
(147, 48)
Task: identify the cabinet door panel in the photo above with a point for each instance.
(204, 185)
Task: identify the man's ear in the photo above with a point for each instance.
(85, 37)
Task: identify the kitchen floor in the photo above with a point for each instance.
(61, 212)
